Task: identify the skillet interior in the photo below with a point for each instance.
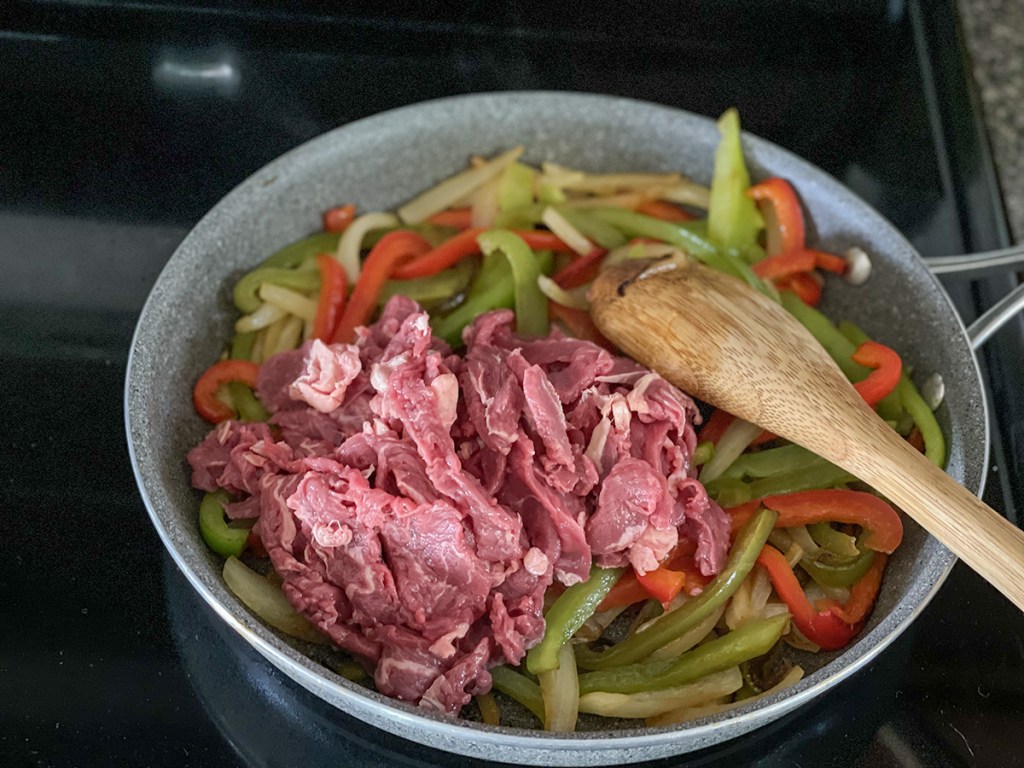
(382, 161)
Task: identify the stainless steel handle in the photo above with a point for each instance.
(996, 317)
(981, 265)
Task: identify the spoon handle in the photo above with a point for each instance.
(983, 539)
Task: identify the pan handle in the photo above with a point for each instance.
(980, 265)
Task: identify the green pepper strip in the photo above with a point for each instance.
(490, 289)
(245, 293)
(218, 535)
(676, 623)
(567, 614)
(836, 542)
(601, 232)
(910, 397)
(831, 571)
(835, 343)
(748, 642)
(820, 475)
(772, 461)
(242, 344)
(531, 304)
(686, 237)
(515, 189)
(729, 491)
(520, 688)
(733, 219)
(703, 453)
(292, 255)
(433, 289)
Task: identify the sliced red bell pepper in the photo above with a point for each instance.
(828, 261)
(580, 270)
(862, 594)
(204, 395)
(332, 296)
(663, 583)
(804, 286)
(784, 265)
(456, 218)
(579, 324)
(384, 258)
(788, 214)
(664, 210)
(822, 627)
(465, 244)
(885, 376)
(338, 219)
(627, 590)
(881, 523)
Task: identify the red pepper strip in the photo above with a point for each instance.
(662, 583)
(784, 265)
(822, 627)
(779, 193)
(204, 396)
(332, 296)
(464, 244)
(804, 286)
(579, 324)
(881, 522)
(456, 218)
(627, 590)
(862, 594)
(664, 210)
(338, 219)
(887, 366)
(719, 421)
(384, 258)
(828, 261)
(580, 270)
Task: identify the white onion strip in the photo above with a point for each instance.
(268, 602)
(566, 232)
(267, 314)
(576, 298)
(351, 242)
(456, 187)
(290, 301)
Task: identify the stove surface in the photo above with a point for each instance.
(124, 123)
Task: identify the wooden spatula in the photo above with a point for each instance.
(718, 339)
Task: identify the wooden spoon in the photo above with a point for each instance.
(720, 340)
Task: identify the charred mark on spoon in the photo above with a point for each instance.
(659, 265)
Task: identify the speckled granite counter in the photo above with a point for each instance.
(994, 32)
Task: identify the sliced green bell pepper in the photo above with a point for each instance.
(218, 535)
(748, 642)
(433, 289)
(246, 290)
(515, 189)
(675, 623)
(520, 688)
(733, 219)
(567, 614)
(294, 254)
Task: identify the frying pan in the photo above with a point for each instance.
(383, 161)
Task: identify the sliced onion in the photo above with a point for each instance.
(689, 639)
(566, 232)
(561, 691)
(688, 193)
(640, 251)
(730, 445)
(651, 703)
(264, 316)
(351, 243)
(289, 336)
(683, 714)
(288, 300)
(576, 298)
(449, 191)
(268, 602)
(484, 203)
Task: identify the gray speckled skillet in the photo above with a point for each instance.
(382, 161)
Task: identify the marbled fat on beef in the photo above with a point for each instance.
(418, 504)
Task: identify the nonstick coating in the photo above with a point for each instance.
(384, 160)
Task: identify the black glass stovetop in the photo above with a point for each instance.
(121, 124)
